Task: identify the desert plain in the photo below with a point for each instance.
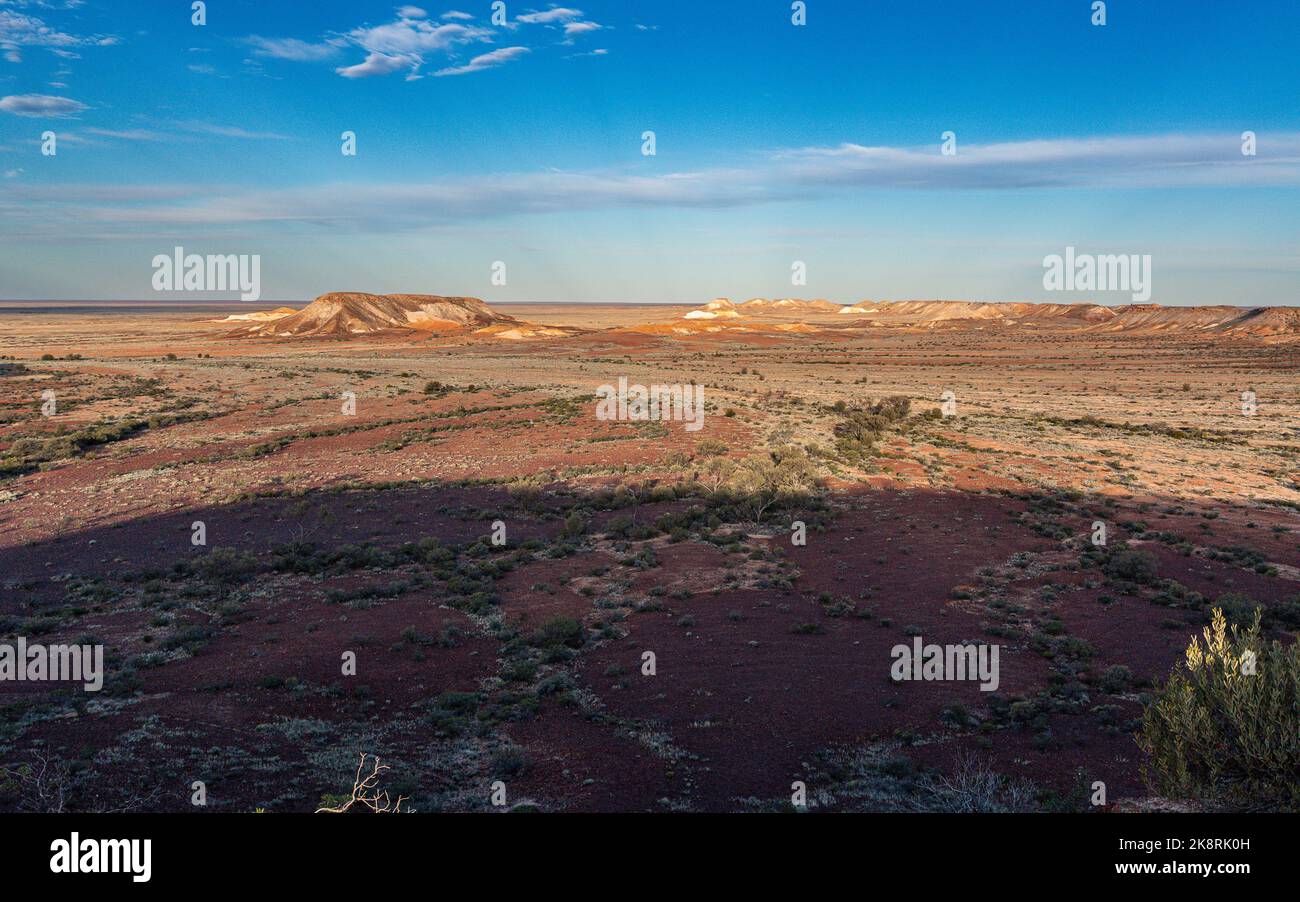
(434, 499)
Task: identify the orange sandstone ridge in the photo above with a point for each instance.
(342, 314)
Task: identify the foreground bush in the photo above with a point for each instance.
(1225, 729)
(758, 484)
(857, 434)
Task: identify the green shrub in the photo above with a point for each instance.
(1238, 608)
(1116, 679)
(1224, 727)
(762, 483)
(559, 631)
(226, 566)
(509, 761)
(857, 434)
(575, 525)
(1133, 564)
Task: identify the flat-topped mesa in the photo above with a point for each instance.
(259, 316)
(925, 312)
(787, 306)
(724, 308)
(345, 313)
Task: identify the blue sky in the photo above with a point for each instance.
(481, 142)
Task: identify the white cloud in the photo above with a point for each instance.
(400, 45)
(406, 43)
(403, 45)
(552, 15)
(40, 105)
(379, 64)
(407, 36)
(290, 49)
(486, 61)
(20, 30)
(568, 19)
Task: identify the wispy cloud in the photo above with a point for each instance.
(575, 28)
(485, 61)
(45, 105)
(552, 15)
(1170, 161)
(128, 134)
(570, 21)
(19, 30)
(291, 49)
(228, 131)
(402, 45)
(408, 42)
(1151, 161)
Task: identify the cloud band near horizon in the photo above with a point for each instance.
(1164, 161)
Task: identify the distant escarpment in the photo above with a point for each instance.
(1136, 319)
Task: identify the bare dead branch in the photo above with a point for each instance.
(365, 792)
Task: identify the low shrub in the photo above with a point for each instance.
(1223, 728)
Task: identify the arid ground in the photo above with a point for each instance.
(329, 532)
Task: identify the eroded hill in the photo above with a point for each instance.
(342, 314)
